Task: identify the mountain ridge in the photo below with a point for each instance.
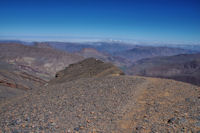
(87, 68)
(184, 67)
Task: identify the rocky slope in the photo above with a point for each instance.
(106, 103)
(14, 82)
(36, 59)
(24, 68)
(87, 68)
(185, 67)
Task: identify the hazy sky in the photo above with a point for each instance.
(161, 20)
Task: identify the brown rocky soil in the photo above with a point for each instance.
(87, 68)
(107, 103)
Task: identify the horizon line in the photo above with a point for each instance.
(79, 39)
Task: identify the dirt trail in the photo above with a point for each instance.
(164, 105)
(107, 104)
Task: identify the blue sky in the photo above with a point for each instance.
(153, 20)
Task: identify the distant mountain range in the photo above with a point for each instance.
(119, 53)
(183, 67)
(141, 52)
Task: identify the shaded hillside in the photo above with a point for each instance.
(40, 59)
(183, 67)
(141, 52)
(87, 68)
(14, 82)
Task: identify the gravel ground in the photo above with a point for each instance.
(106, 104)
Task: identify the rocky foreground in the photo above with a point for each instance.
(107, 103)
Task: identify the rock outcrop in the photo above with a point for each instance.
(87, 68)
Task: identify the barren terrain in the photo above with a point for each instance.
(109, 103)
